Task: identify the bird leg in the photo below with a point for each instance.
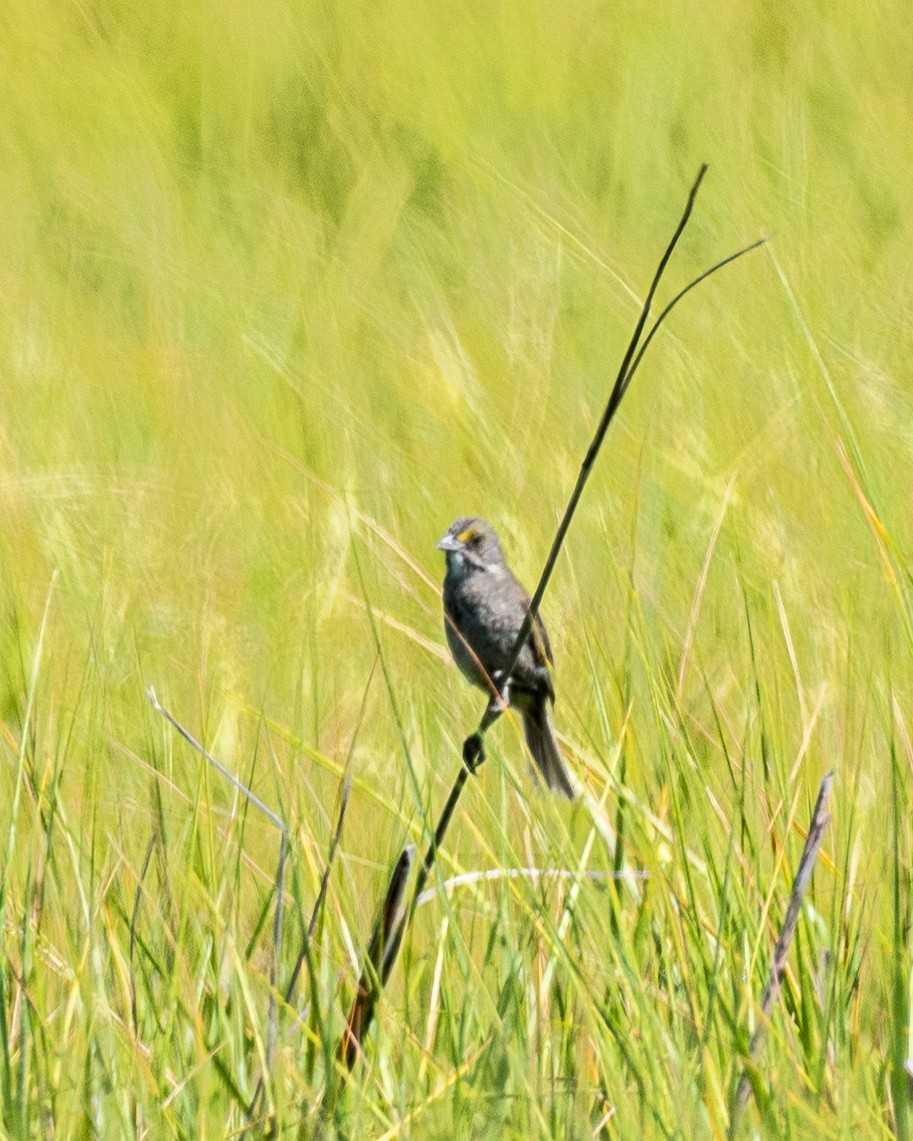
(499, 700)
(473, 749)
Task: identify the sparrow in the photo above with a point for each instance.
(484, 609)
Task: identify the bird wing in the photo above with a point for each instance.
(541, 647)
(538, 637)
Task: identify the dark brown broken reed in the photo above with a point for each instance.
(382, 952)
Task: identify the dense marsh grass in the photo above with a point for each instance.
(285, 289)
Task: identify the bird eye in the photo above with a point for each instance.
(470, 535)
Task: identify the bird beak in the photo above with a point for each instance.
(448, 543)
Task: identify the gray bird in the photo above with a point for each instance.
(484, 608)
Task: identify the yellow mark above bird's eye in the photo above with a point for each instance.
(467, 535)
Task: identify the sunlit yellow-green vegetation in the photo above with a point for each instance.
(284, 289)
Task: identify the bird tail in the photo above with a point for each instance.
(540, 738)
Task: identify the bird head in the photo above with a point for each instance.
(471, 544)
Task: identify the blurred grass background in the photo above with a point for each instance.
(285, 289)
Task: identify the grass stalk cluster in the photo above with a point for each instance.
(287, 289)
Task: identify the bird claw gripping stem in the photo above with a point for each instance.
(473, 752)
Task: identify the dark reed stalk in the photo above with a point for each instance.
(473, 753)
